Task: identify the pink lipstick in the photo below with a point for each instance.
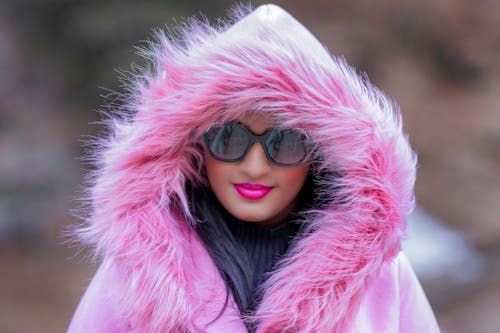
(252, 191)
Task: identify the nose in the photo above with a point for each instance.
(255, 164)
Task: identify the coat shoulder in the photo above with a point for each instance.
(96, 311)
(395, 302)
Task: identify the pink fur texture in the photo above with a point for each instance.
(266, 62)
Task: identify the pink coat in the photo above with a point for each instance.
(394, 302)
(346, 275)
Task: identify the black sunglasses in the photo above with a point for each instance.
(230, 142)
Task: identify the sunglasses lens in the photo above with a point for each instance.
(287, 146)
(227, 142)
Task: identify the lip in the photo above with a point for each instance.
(252, 191)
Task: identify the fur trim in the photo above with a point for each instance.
(140, 219)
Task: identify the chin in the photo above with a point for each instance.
(251, 218)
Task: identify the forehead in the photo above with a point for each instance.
(258, 123)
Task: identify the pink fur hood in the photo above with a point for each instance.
(156, 276)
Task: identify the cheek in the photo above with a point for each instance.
(293, 178)
(218, 173)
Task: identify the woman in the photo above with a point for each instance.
(257, 184)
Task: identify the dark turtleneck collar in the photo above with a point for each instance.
(264, 245)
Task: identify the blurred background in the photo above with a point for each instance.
(439, 59)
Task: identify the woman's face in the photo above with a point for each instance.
(254, 189)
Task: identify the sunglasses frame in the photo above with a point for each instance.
(261, 138)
